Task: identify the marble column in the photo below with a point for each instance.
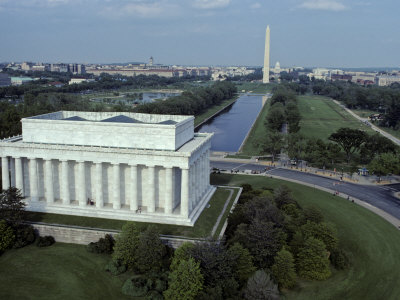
(19, 175)
(203, 175)
(191, 187)
(151, 185)
(5, 176)
(64, 184)
(48, 181)
(185, 193)
(168, 191)
(133, 203)
(12, 171)
(196, 182)
(116, 187)
(33, 179)
(99, 185)
(80, 184)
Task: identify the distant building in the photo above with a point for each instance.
(151, 61)
(59, 68)
(26, 66)
(5, 80)
(79, 80)
(341, 77)
(20, 80)
(385, 80)
(76, 69)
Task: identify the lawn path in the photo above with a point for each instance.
(222, 212)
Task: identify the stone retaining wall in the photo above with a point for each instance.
(84, 236)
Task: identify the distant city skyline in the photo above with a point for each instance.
(309, 33)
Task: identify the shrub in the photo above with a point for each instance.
(135, 287)
(24, 235)
(339, 259)
(103, 245)
(7, 236)
(115, 267)
(45, 241)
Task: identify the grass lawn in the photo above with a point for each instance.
(61, 271)
(212, 110)
(202, 228)
(321, 117)
(257, 133)
(372, 243)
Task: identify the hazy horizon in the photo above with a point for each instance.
(350, 34)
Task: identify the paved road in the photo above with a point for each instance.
(378, 196)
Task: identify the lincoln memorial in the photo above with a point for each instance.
(127, 166)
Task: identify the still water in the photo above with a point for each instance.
(232, 125)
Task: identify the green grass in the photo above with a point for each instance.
(202, 227)
(257, 133)
(226, 213)
(372, 243)
(61, 271)
(213, 110)
(321, 117)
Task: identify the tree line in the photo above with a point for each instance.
(191, 102)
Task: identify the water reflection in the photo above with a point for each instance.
(232, 125)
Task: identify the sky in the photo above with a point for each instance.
(324, 33)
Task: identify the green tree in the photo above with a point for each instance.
(273, 144)
(261, 287)
(312, 260)
(275, 117)
(12, 206)
(182, 253)
(324, 232)
(185, 281)
(386, 163)
(7, 236)
(243, 265)
(283, 269)
(126, 244)
(349, 139)
(150, 251)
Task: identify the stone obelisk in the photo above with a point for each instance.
(266, 58)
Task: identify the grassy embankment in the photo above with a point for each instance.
(365, 113)
(202, 228)
(213, 110)
(372, 243)
(61, 271)
(320, 117)
(257, 133)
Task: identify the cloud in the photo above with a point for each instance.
(140, 8)
(255, 5)
(330, 5)
(211, 4)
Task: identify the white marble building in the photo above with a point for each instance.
(128, 166)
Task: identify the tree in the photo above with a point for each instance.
(386, 163)
(376, 144)
(349, 139)
(182, 253)
(324, 232)
(276, 117)
(243, 265)
(185, 281)
(283, 269)
(262, 239)
(150, 251)
(126, 244)
(261, 287)
(12, 207)
(313, 261)
(273, 144)
(7, 236)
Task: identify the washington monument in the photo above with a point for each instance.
(266, 58)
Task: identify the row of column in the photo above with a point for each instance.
(81, 184)
(199, 179)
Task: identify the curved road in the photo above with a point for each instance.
(381, 197)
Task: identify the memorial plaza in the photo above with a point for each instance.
(127, 166)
